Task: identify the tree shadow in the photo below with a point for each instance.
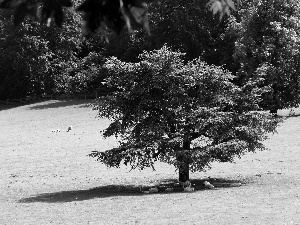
(81, 195)
(61, 103)
(126, 190)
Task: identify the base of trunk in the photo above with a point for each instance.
(184, 174)
(274, 112)
(184, 160)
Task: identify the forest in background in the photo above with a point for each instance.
(259, 43)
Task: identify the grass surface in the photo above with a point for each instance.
(46, 178)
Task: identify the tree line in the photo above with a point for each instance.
(259, 41)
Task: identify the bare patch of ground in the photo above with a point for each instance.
(47, 178)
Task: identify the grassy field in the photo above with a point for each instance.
(47, 178)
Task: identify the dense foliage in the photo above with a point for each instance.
(39, 59)
(82, 76)
(32, 55)
(268, 46)
(187, 26)
(183, 114)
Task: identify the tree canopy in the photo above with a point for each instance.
(268, 47)
(32, 54)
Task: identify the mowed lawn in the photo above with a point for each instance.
(47, 178)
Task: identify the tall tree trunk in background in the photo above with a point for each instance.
(276, 102)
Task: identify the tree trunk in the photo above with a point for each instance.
(184, 173)
(276, 101)
(184, 170)
(274, 111)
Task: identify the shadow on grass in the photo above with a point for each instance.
(124, 190)
(60, 103)
(81, 195)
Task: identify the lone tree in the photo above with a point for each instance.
(185, 114)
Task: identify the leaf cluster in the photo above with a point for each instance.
(81, 76)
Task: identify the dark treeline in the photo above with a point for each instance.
(260, 42)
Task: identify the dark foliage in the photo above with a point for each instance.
(30, 8)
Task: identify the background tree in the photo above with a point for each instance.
(25, 60)
(187, 26)
(188, 115)
(32, 55)
(82, 77)
(268, 47)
